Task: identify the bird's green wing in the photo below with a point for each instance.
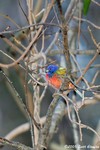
(61, 71)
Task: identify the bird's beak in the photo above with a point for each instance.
(47, 71)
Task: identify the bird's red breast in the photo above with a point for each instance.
(54, 81)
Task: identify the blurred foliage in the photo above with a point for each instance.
(86, 6)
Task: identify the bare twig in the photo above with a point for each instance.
(29, 26)
(95, 2)
(11, 44)
(18, 131)
(81, 19)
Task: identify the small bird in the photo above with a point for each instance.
(56, 76)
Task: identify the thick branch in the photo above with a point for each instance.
(16, 145)
(65, 37)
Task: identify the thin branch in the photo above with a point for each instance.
(81, 125)
(85, 20)
(11, 44)
(10, 19)
(22, 103)
(16, 145)
(95, 2)
(20, 5)
(92, 60)
(28, 26)
(54, 52)
(32, 42)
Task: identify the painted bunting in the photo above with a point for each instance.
(55, 77)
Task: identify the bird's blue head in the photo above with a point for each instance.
(51, 69)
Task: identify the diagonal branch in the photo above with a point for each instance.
(16, 145)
